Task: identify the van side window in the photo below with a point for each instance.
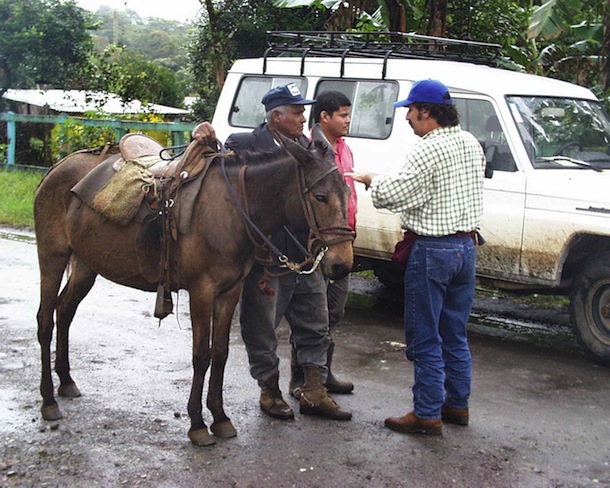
(247, 109)
(479, 118)
(372, 109)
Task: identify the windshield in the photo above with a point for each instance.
(563, 132)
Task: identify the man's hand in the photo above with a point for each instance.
(365, 178)
(204, 133)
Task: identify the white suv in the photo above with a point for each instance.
(546, 217)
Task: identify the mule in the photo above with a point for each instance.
(291, 186)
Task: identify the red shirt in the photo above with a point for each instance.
(345, 162)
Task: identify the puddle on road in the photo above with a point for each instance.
(544, 334)
(559, 337)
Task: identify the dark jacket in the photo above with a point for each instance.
(260, 139)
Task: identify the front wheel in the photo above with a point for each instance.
(590, 308)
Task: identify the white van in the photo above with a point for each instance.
(546, 217)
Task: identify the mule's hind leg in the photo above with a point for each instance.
(224, 306)
(52, 260)
(79, 284)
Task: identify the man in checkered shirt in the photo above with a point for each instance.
(439, 195)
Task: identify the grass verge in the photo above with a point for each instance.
(17, 188)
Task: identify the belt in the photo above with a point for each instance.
(473, 234)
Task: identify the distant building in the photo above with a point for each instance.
(77, 102)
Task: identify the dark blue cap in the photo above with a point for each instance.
(427, 91)
(284, 95)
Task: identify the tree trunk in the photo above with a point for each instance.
(396, 16)
(605, 62)
(217, 60)
(437, 25)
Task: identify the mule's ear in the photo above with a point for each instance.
(300, 153)
(317, 134)
(283, 140)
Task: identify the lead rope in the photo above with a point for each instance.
(292, 267)
(263, 245)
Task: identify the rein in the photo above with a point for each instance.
(316, 238)
(263, 244)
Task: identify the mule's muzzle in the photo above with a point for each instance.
(338, 260)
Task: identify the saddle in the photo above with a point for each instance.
(135, 178)
(138, 185)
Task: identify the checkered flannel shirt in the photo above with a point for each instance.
(439, 189)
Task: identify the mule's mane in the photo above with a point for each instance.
(317, 149)
(255, 158)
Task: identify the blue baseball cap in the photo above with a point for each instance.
(288, 94)
(427, 91)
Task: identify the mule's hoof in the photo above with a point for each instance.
(69, 391)
(201, 437)
(223, 429)
(51, 412)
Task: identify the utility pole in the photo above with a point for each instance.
(115, 24)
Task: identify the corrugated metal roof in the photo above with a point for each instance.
(80, 101)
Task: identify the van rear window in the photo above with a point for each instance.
(247, 109)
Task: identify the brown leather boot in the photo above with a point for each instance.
(271, 401)
(412, 424)
(333, 385)
(314, 399)
(297, 377)
(457, 416)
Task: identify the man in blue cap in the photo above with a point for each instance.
(301, 299)
(439, 195)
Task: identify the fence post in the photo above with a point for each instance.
(11, 138)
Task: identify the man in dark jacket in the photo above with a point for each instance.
(299, 298)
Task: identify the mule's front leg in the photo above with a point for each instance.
(224, 307)
(200, 317)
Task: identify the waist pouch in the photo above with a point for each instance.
(403, 249)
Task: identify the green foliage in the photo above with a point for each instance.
(157, 39)
(163, 42)
(215, 47)
(132, 76)
(3, 153)
(42, 41)
(568, 36)
(17, 189)
(73, 135)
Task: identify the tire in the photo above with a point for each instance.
(590, 308)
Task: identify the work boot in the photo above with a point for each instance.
(333, 385)
(457, 416)
(271, 400)
(314, 399)
(412, 424)
(296, 375)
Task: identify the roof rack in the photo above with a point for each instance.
(384, 45)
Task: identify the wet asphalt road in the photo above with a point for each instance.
(540, 409)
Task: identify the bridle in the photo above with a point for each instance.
(320, 237)
(317, 240)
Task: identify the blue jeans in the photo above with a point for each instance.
(439, 291)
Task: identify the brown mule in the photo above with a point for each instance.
(210, 259)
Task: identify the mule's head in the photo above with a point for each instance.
(324, 195)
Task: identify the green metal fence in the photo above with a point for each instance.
(121, 127)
